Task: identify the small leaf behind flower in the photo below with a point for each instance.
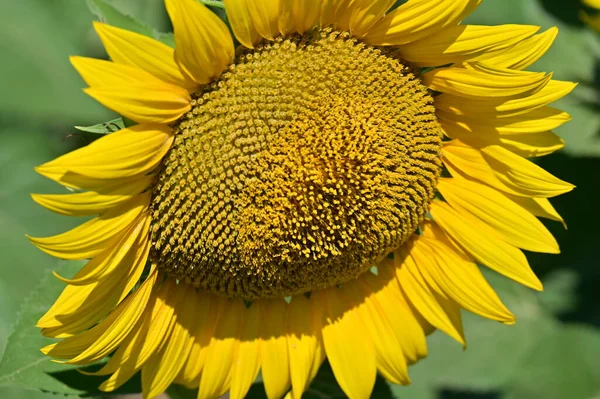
(103, 128)
(109, 14)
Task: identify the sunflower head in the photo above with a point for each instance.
(356, 160)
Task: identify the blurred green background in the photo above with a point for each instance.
(552, 352)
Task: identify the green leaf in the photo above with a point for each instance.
(103, 128)
(106, 12)
(214, 3)
(565, 365)
(497, 355)
(23, 364)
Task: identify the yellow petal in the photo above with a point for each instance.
(460, 279)
(130, 48)
(479, 240)
(223, 349)
(501, 107)
(355, 370)
(522, 54)
(203, 45)
(132, 92)
(460, 43)
(523, 175)
(265, 16)
(241, 22)
(389, 356)
(247, 364)
(303, 340)
(515, 175)
(92, 237)
(285, 22)
(509, 221)
(163, 366)
(305, 14)
(539, 207)
(424, 298)
(416, 20)
(91, 202)
(485, 81)
(536, 121)
(390, 298)
(203, 330)
(130, 152)
(154, 103)
(367, 13)
(80, 307)
(274, 347)
(113, 257)
(101, 340)
(337, 13)
(157, 324)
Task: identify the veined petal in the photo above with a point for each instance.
(536, 121)
(500, 107)
(274, 347)
(523, 174)
(206, 322)
(337, 13)
(265, 16)
(157, 324)
(222, 350)
(246, 368)
(416, 20)
(522, 54)
(132, 92)
(91, 202)
(355, 370)
(203, 45)
(241, 22)
(102, 339)
(80, 307)
(113, 257)
(526, 145)
(367, 13)
(303, 339)
(479, 240)
(539, 207)
(485, 81)
(389, 356)
(133, 151)
(92, 237)
(509, 221)
(163, 366)
(305, 14)
(461, 280)
(424, 297)
(154, 103)
(460, 43)
(514, 175)
(150, 55)
(390, 298)
(285, 22)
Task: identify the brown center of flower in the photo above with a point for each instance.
(298, 169)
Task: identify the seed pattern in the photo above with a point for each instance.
(305, 163)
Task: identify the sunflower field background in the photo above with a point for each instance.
(552, 352)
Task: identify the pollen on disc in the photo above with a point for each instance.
(304, 164)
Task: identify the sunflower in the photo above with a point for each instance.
(325, 189)
(592, 19)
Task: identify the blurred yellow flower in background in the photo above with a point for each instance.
(326, 189)
(593, 19)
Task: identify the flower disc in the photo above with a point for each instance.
(309, 160)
